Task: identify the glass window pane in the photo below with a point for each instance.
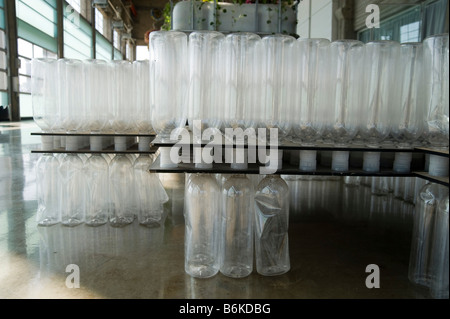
(25, 66)
(24, 84)
(26, 109)
(3, 81)
(99, 21)
(25, 48)
(3, 60)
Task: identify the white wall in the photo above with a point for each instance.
(316, 19)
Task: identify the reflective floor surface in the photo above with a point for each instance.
(336, 231)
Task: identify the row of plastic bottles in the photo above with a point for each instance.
(228, 223)
(97, 188)
(376, 93)
(429, 259)
(93, 96)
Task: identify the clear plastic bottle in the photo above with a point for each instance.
(44, 93)
(124, 115)
(423, 232)
(98, 85)
(202, 211)
(151, 194)
(345, 86)
(308, 120)
(380, 92)
(71, 95)
(142, 100)
(168, 81)
(271, 229)
(47, 188)
(97, 179)
(205, 81)
(73, 186)
(121, 179)
(440, 257)
(408, 122)
(237, 227)
(436, 81)
(278, 99)
(241, 75)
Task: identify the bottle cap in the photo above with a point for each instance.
(46, 142)
(308, 161)
(402, 162)
(120, 143)
(275, 159)
(144, 143)
(371, 161)
(438, 165)
(339, 161)
(165, 160)
(71, 143)
(56, 141)
(96, 143)
(198, 159)
(240, 160)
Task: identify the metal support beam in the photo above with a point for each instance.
(12, 60)
(60, 28)
(94, 36)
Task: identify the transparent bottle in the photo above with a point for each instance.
(73, 186)
(271, 229)
(71, 96)
(278, 99)
(44, 93)
(98, 81)
(121, 179)
(440, 257)
(436, 81)
(423, 232)
(408, 122)
(47, 190)
(205, 82)
(123, 113)
(202, 211)
(143, 106)
(381, 95)
(240, 75)
(168, 81)
(308, 120)
(151, 195)
(97, 179)
(237, 227)
(345, 85)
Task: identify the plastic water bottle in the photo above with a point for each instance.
(439, 257)
(423, 233)
(151, 195)
(97, 178)
(121, 181)
(73, 186)
(202, 226)
(237, 227)
(47, 188)
(271, 229)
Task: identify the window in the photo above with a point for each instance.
(77, 36)
(410, 32)
(36, 22)
(99, 21)
(75, 4)
(404, 27)
(116, 40)
(103, 47)
(3, 60)
(141, 52)
(28, 51)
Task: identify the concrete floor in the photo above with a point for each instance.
(335, 232)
